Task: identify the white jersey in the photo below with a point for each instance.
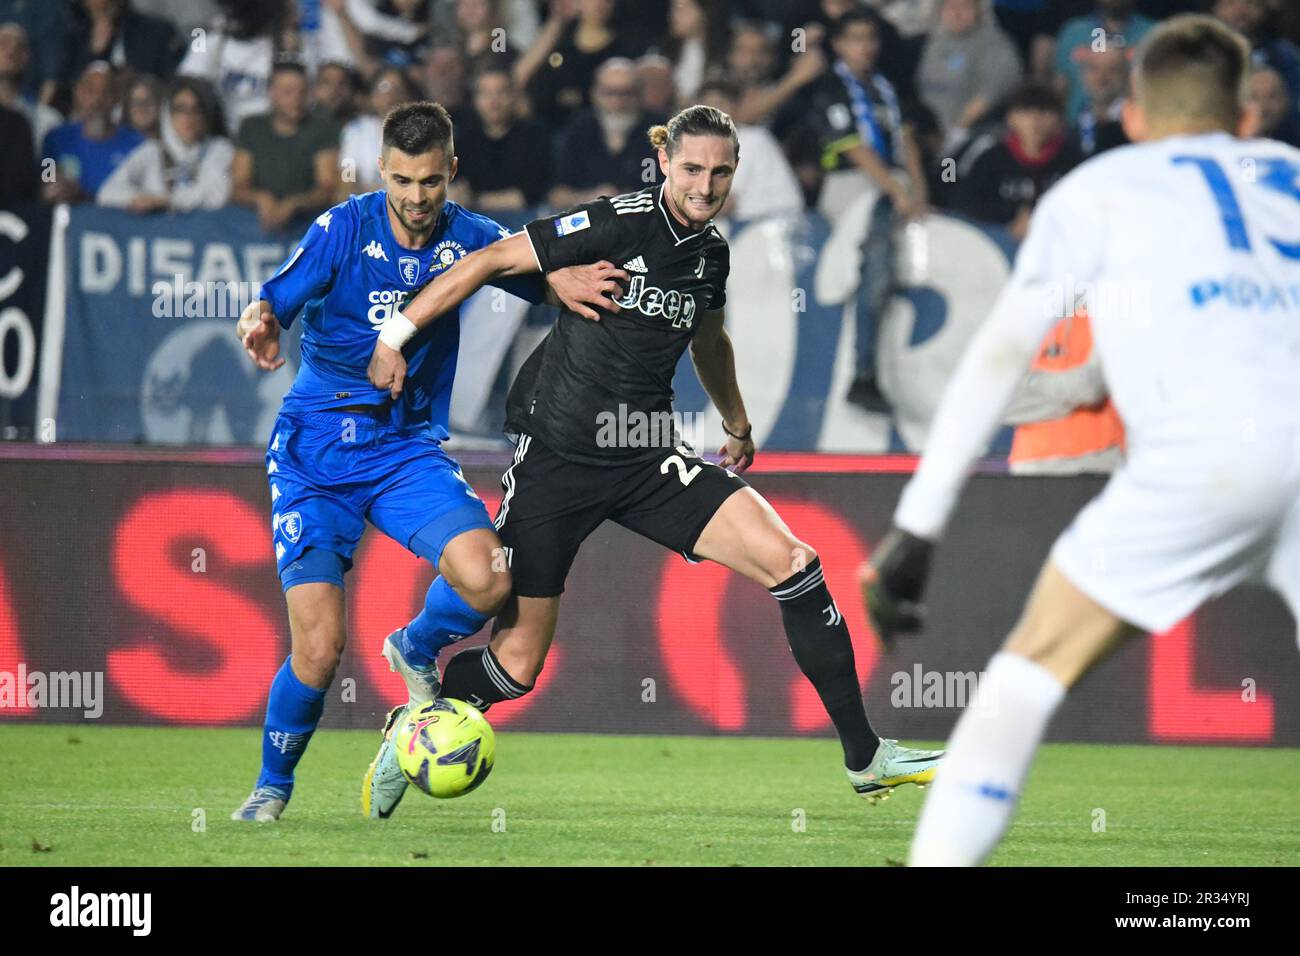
(1186, 253)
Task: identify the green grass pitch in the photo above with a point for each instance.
(114, 796)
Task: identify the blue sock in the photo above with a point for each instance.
(446, 618)
(292, 712)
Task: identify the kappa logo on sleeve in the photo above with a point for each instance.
(567, 225)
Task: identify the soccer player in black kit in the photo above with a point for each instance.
(568, 476)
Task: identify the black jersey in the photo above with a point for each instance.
(600, 392)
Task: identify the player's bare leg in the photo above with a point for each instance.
(749, 537)
(1060, 636)
(318, 629)
(509, 666)
(1064, 630)
(473, 585)
(474, 563)
(523, 634)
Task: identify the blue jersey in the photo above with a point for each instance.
(347, 277)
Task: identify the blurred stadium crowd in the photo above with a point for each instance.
(970, 105)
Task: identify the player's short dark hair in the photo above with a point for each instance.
(1193, 66)
(695, 120)
(850, 17)
(417, 128)
(1035, 96)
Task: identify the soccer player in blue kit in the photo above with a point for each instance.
(343, 451)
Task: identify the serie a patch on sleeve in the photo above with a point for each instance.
(570, 224)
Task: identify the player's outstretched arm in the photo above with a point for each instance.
(508, 257)
(259, 330)
(715, 364)
(1066, 238)
(893, 582)
(512, 256)
(577, 287)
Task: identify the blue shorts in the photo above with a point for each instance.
(331, 471)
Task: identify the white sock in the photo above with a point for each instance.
(979, 779)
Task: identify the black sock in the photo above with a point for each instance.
(477, 677)
(819, 639)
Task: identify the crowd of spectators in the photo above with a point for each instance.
(971, 105)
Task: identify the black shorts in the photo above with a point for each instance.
(551, 504)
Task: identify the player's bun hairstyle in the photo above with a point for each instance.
(1193, 67)
(694, 121)
(417, 128)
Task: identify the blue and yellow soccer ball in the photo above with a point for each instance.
(445, 748)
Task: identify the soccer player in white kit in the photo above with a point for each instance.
(1185, 248)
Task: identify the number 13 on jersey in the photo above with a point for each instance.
(1279, 175)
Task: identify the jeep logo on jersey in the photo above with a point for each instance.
(675, 306)
(383, 303)
(409, 267)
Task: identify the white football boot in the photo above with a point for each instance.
(384, 784)
(892, 766)
(264, 805)
(423, 684)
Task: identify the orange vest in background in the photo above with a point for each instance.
(1085, 431)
